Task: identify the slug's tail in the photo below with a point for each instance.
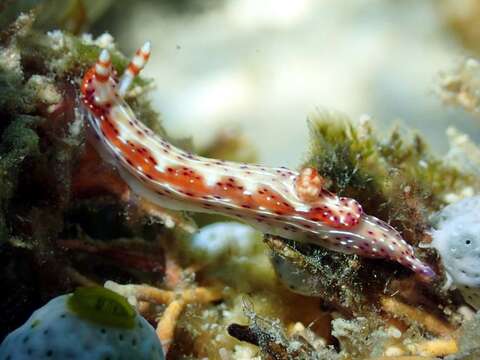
(424, 271)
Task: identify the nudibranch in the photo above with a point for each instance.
(294, 205)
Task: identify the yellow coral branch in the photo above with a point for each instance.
(175, 301)
(428, 321)
(437, 347)
(201, 295)
(155, 295)
(166, 325)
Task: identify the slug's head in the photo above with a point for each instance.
(98, 85)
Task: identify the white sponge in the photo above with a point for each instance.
(457, 239)
(215, 240)
(92, 323)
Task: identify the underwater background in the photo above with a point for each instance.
(107, 256)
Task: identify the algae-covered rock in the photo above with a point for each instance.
(48, 206)
(70, 15)
(18, 142)
(398, 180)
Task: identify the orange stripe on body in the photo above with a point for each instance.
(188, 181)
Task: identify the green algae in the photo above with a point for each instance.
(395, 178)
(361, 164)
(102, 306)
(18, 142)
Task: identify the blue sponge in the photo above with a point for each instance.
(92, 323)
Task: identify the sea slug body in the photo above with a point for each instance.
(278, 201)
